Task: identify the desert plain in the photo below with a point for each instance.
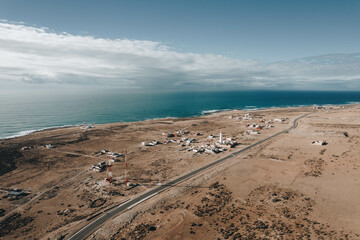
(284, 188)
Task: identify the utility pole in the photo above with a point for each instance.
(109, 178)
(126, 168)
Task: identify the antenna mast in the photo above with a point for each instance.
(126, 166)
(109, 178)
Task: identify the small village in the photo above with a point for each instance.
(194, 142)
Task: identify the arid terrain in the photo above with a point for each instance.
(285, 188)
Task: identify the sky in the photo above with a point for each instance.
(180, 45)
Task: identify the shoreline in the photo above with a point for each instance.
(29, 132)
(203, 113)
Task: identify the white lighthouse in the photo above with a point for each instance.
(221, 138)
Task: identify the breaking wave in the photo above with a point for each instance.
(206, 112)
(28, 132)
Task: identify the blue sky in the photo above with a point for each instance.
(244, 44)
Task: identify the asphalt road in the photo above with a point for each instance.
(95, 224)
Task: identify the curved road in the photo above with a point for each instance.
(91, 227)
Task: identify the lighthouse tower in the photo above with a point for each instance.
(221, 138)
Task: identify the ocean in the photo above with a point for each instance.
(25, 113)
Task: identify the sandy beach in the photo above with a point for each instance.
(290, 187)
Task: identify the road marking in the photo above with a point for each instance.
(142, 200)
(123, 203)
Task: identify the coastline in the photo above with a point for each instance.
(22, 133)
(29, 132)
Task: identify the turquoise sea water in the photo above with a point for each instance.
(23, 114)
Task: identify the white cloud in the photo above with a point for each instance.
(33, 55)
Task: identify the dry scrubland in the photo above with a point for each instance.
(286, 188)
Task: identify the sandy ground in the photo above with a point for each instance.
(286, 188)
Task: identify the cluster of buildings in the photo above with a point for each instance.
(185, 140)
(207, 148)
(327, 107)
(48, 146)
(263, 124)
(175, 134)
(257, 127)
(246, 116)
(102, 166)
(219, 146)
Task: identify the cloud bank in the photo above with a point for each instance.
(34, 55)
